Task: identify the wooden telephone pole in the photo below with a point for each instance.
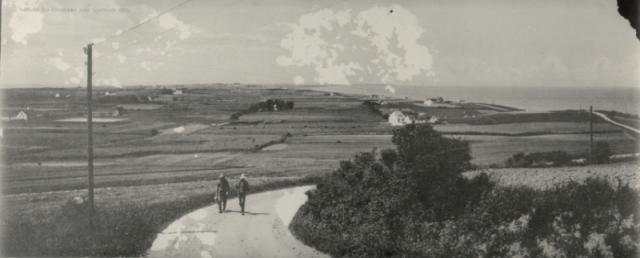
(591, 133)
(89, 52)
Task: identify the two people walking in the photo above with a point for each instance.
(223, 188)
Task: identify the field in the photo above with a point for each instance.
(547, 178)
(192, 138)
(172, 149)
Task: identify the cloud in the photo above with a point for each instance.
(342, 46)
(121, 58)
(109, 82)
(58, 63)
(98, 40)
(390, 88)
(150, 65)
(146, 65)
(170, 21)
(298, 80)
(22, 24)
(78, 74)
(115, 45)
(73, 80)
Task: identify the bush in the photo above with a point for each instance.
(268, 105)
(539, 159)
(412, 202)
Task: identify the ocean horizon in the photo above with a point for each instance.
(620, 99)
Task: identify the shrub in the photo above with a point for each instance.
(262, 106)
(412, 202)
(539, 159)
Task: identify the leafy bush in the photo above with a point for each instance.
(539, 159)
(268, 105)
(412, 202)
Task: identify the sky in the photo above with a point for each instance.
(516, 43)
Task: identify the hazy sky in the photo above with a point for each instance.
(470, 43)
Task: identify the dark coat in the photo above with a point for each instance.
(243, 186)
(223, 187)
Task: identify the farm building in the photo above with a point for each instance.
(177, 92)
(118, 111)
(21, 116)
(428, 102)
(397, 118)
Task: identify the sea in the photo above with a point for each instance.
(535, 99)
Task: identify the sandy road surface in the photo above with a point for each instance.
(261, 232)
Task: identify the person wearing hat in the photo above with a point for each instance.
(222, 193)
(243, 188)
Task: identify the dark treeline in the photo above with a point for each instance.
(264, 106)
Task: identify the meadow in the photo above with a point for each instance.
(168, 155)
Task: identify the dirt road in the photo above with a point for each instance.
(261, 232)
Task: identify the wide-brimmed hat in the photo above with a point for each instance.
(242, 176)
(221, 176)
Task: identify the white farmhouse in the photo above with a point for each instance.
(428, 102)
(21, 116)
(397, 118)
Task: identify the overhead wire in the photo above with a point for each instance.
(144, 22)
(198, 66)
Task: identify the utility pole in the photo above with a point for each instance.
(89, 52)
(591, 132)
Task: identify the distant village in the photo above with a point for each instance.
(400, 112)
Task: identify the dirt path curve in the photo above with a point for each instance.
(261, 232)
(606, 118)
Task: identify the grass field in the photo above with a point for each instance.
(551, 127)
(166, 155)
(187, 138)
(545, 178)
(487, 150)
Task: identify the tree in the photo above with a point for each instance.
(433, 165)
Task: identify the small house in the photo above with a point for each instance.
(177, 92)
(117, 111)
(397, 118)
(21, 116)
(428, 102)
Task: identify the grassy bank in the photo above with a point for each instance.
(126, 219)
